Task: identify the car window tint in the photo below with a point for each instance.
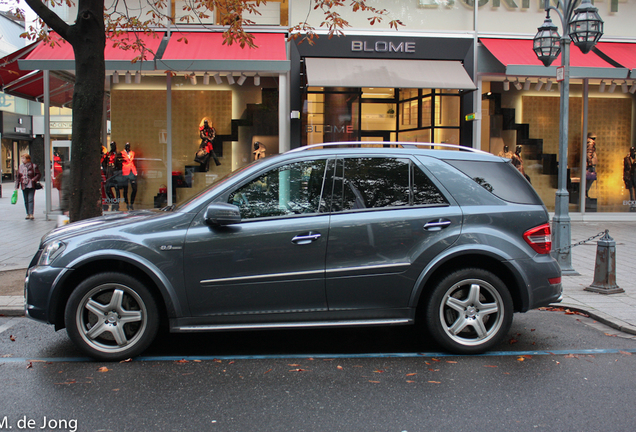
(291, 189)
(501, 179)
(375, 182)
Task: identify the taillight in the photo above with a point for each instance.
(539, 238)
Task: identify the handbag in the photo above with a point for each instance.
(201, 156)
(14, 197)
(37, 185)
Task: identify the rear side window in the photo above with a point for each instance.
(499, 178)
(377, 182)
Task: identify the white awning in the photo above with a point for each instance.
(353, 72)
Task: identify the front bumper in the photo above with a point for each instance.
(39, 286)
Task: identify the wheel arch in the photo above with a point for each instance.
(167, 301)
(484, 259)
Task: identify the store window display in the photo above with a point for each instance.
(129, 175)
(207, 134)
(592, 161)
(506, 153)
(111, 172)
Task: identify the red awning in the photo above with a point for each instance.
(206, 51)
(61, 57)
(622, 53)
(519, 59)
(28, 84)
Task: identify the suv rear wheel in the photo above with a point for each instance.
(111, 316)
(469, 311)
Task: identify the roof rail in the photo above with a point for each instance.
(402, 144)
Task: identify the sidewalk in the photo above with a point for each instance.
(19, 240)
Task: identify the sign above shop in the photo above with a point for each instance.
(382, 46)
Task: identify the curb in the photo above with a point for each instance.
(601, 317)
(8, 311)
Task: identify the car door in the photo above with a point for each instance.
(388, 220)
(271, 262)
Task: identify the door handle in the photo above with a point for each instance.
(304, 239)
(437, 225)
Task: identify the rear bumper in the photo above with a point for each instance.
(538, 271)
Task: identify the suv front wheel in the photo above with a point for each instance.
(469, 311)
(111, 316)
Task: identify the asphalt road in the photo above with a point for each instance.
(553, 372)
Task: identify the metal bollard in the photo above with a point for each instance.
(605, 267)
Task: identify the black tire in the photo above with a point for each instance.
(469, 311)
(111, 317)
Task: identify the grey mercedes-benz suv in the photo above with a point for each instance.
(340, 235)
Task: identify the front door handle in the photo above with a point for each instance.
(303, 239)
(437, 225)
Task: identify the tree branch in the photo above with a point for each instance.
(49, 17)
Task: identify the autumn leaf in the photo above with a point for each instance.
(436, 360)
(29, 365)
(339, 367)
(182, 361)
(411, 374)
(374, 382)
(103, 369)
(521, 359)
(513, 341)
(128, 360)
(299, 370)
(451, 362)
(435, 382)
(12, 338)
(410, 382)
(625, 353)
(378, 371)
(491, 366)
(267, 371)
(293, 365)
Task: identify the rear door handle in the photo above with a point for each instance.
(437, 225)
(307, 238)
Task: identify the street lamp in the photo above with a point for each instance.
(584, 27)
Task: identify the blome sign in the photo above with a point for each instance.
(382, 46)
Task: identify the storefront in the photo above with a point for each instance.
(380, 88)
(520, 120)
(156, 110)
(16, 141)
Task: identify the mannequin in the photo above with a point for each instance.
(111, 173)
(129, 174)
(207, 135)
(629, 173)
(517, 161)
(506, 153)
(592, 160)
(259, 150)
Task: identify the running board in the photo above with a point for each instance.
(289, 325)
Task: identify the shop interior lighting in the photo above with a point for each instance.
(115, 77)
(241, 79)
(624, 86)
(518, 84)
(257, 80)
(601, 88)
(526, 85)
(506, 85)
(539, 85)
(548, 85)
(128, 78)
(612, 87)
(632, 89)
(206, 78)
(230, 79)
(193, 79)
(217, 78)
(137, 77)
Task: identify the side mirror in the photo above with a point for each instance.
(220, 214)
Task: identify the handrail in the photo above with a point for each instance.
(403, 144)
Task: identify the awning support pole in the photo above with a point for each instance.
(48, 172)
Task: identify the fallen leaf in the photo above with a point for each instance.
(450, 361)
(232, 362)
(339, 367)
(521, 359)
(571, 356)
(625, 353)
(11, 338)
(29, 365)
(492, 366)
(102, 369)
(532, 330)
(267, 371)
(293, 365)
(374, 382)
(299, 370)
(128, 360)
(513, 341)
(435, 382)
(411, 374)
(410, 382)
(436, 359)
(115, 389)
(378, 371)
(182, 361)
(610, 335)
(197, 361)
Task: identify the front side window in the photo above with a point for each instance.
(376, 182)
(287, 190)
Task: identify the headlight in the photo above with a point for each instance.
(50, 252)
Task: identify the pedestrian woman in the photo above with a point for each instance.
(26, 179)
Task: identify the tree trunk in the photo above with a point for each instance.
(88, 40)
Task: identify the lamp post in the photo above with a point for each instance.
(583, 26)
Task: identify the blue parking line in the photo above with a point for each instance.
(327, 356)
